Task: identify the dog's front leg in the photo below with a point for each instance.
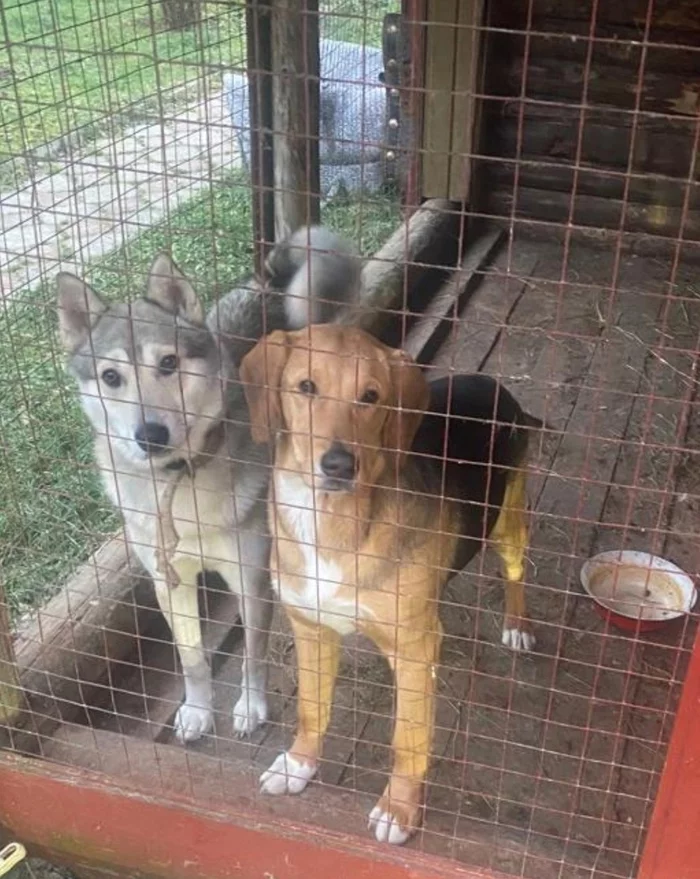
(179, 604)
(318, 655)
(398, 813)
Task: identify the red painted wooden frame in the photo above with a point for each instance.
(87, 819)
(672, 849)
(108, 820)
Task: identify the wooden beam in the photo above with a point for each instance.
(595, 213)
(465, 105)
(146, 822)
(654, 191)
(11, 697)
(429, 239)
(67, 646)
(433, 326)
(412, 81)
(438, 107)
(671, 850)
(391, 49)
(259, 64)
(296, 104)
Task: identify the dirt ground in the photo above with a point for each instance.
(545, 764)
(34, 868)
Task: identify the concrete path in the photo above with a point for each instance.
(81, 207)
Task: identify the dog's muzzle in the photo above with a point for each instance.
(339, 468)
(152, 437)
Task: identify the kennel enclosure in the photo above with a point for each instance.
(546, 159)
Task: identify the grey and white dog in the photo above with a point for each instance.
(159, 384)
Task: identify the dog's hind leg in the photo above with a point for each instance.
(510, 539)
(179, 604)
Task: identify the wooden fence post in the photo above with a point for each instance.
(11, 698)
(296, 101)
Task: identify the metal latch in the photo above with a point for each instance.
(12, 855)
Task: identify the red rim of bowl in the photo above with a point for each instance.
(627, 621)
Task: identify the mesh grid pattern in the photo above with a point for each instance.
(568, 273)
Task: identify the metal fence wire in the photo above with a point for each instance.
(519, 187)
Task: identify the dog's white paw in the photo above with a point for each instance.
(249, 712)
(192, 722)
(287, 775)
(518, 639)
(387, 827)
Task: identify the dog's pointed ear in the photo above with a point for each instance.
(261, 373)
(410, 398)
(79, 307)
(168, 286)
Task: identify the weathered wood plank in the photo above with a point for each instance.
(95, 619)
(486, 314)
(427, 240)
(189, 802)
(593, 211)
(679, 17)
(262, 172)
(296, 103)
(661, 146)
(412, 78)
(611, 85)
(11, 696)
(430, 330)
(438, 102)
(465, 105)
(657, 192)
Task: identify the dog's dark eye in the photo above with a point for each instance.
(112, 378)
(308, 387)
(370, 397)
(168, 364)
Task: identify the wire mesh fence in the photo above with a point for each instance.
(518, 185)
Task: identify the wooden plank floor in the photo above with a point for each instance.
(549, 759)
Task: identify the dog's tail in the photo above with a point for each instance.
(312, 277)
(319, 274)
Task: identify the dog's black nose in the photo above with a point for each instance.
(152, 437)
(339, 463)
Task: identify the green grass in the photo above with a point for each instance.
(75, 68)
(53, 513)
(68, 66)
(357, 21)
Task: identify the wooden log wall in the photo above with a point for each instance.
(650, 155)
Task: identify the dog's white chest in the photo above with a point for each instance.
(319, 593)
(202, 514)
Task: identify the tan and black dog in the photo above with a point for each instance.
(369, 520)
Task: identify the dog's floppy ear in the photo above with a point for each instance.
(410, 392)
(261, 372)
(79, 307)
(172, 291)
